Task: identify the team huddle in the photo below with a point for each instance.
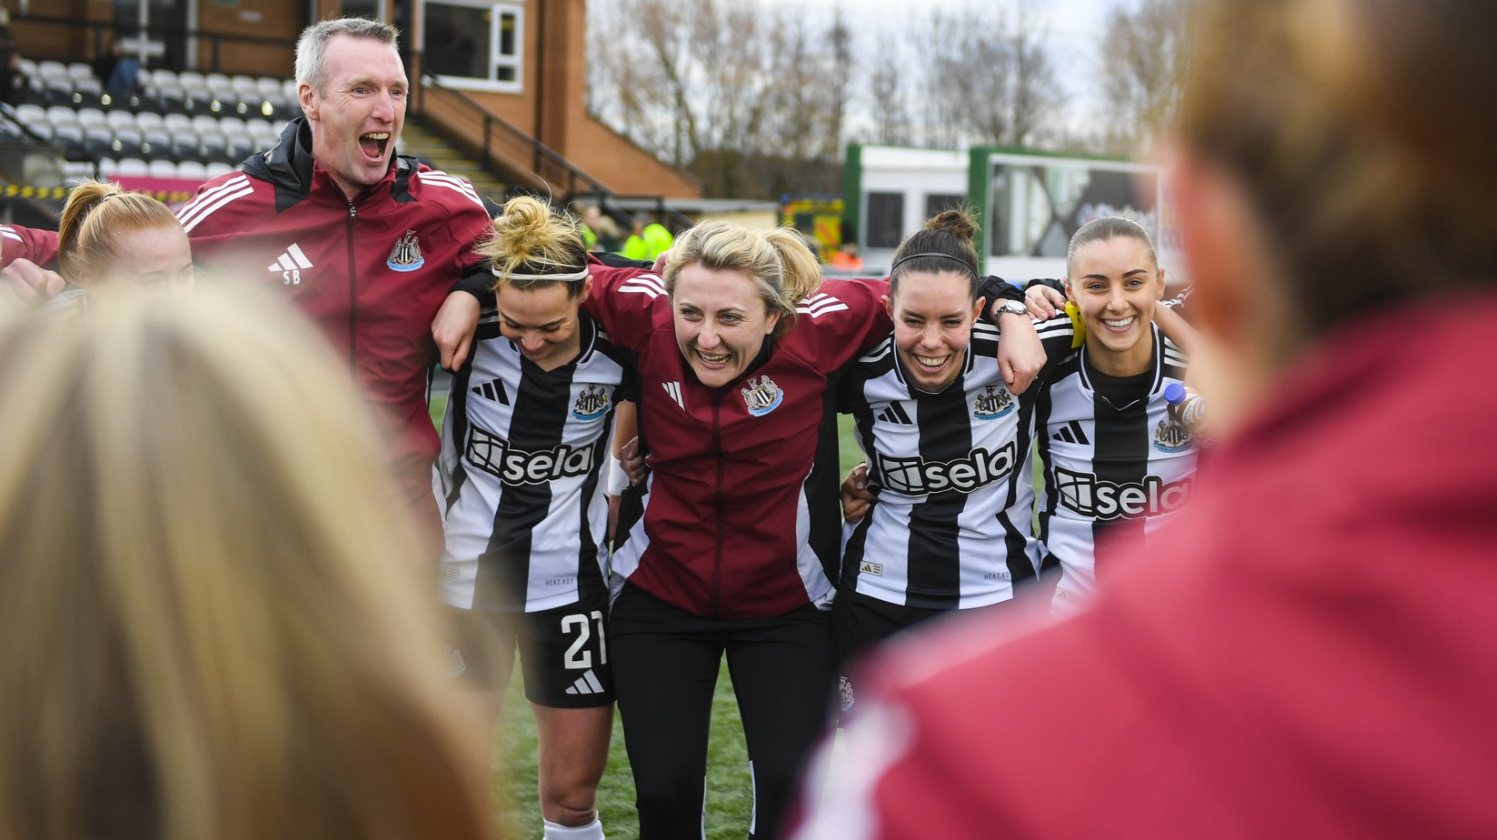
(739, 360)
(736, 540)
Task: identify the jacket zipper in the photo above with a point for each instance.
(353, 299)
(717, 557)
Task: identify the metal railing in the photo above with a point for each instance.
(503, 149)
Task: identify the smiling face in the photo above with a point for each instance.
(933, 317)
(1116, 284)
(542, 321)
(357, 116)
(721, 322)
(157, 259)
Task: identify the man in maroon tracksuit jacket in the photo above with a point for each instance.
(368, 244)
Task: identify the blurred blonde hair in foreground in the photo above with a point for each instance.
(213, 621)
(1363, 136)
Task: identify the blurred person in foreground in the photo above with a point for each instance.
(1310, 653)
(210, 622)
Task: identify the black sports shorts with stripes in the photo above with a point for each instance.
(563, 653)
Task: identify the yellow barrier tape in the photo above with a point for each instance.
(27, 191)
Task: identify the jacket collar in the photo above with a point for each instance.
(291, 169)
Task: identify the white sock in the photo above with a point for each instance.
(557, 831)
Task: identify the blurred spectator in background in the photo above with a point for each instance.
(846, 258)
(118, 72)
(648, 240)
(1308, 651)
(211, 621)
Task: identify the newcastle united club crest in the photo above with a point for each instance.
(762, 396)
(591, 403)
(406, 255)
(1172, 436)
(992, 403)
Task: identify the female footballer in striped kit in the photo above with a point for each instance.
(519, 480)
(948, 449)
(1116, 461)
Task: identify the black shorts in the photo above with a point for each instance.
(563, 654)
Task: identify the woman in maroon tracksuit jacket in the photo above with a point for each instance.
(738, 545)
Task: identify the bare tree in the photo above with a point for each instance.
(986, 78)
(1143, 54)
(729, 90)
(888, 103)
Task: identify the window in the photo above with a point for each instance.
(475, 44)
(885, 225)
(941, 202)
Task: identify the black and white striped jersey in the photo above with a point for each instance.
(951, 526)
(520, 475)
(1114, 460)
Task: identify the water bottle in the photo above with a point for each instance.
(1185, 405)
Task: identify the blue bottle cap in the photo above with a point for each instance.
(1174, 393)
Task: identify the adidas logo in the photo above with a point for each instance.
(290, 264)
(895, 413)
(586, 684)
(492, 390)
(1071, 433)
(674, 390)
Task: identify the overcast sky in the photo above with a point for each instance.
(1075, 28)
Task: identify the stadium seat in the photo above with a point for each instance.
(70, 138)
(164, 78)
(149, 121)
(258, 125)
(79, 70)
(245, 85)
(108, 168)
(240, 147)
(177, 122)
(203, 122)
(87, 92)
(185, 145)
(155, 144)
(75, 172)
(163, 169)
(213, 146)
(91, 117)
(57, 90)
(192, 169)
(218, 81)
(61, 115)
(268, 86)
(232, 125)
(31, 115)
(170, 100)
(216, 169)
(52, 69)
(98, 141)
(191, 80)
(121, 119)
(127, 143)
(263, 140)
(28, 67)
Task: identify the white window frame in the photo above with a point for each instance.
(498, 8)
